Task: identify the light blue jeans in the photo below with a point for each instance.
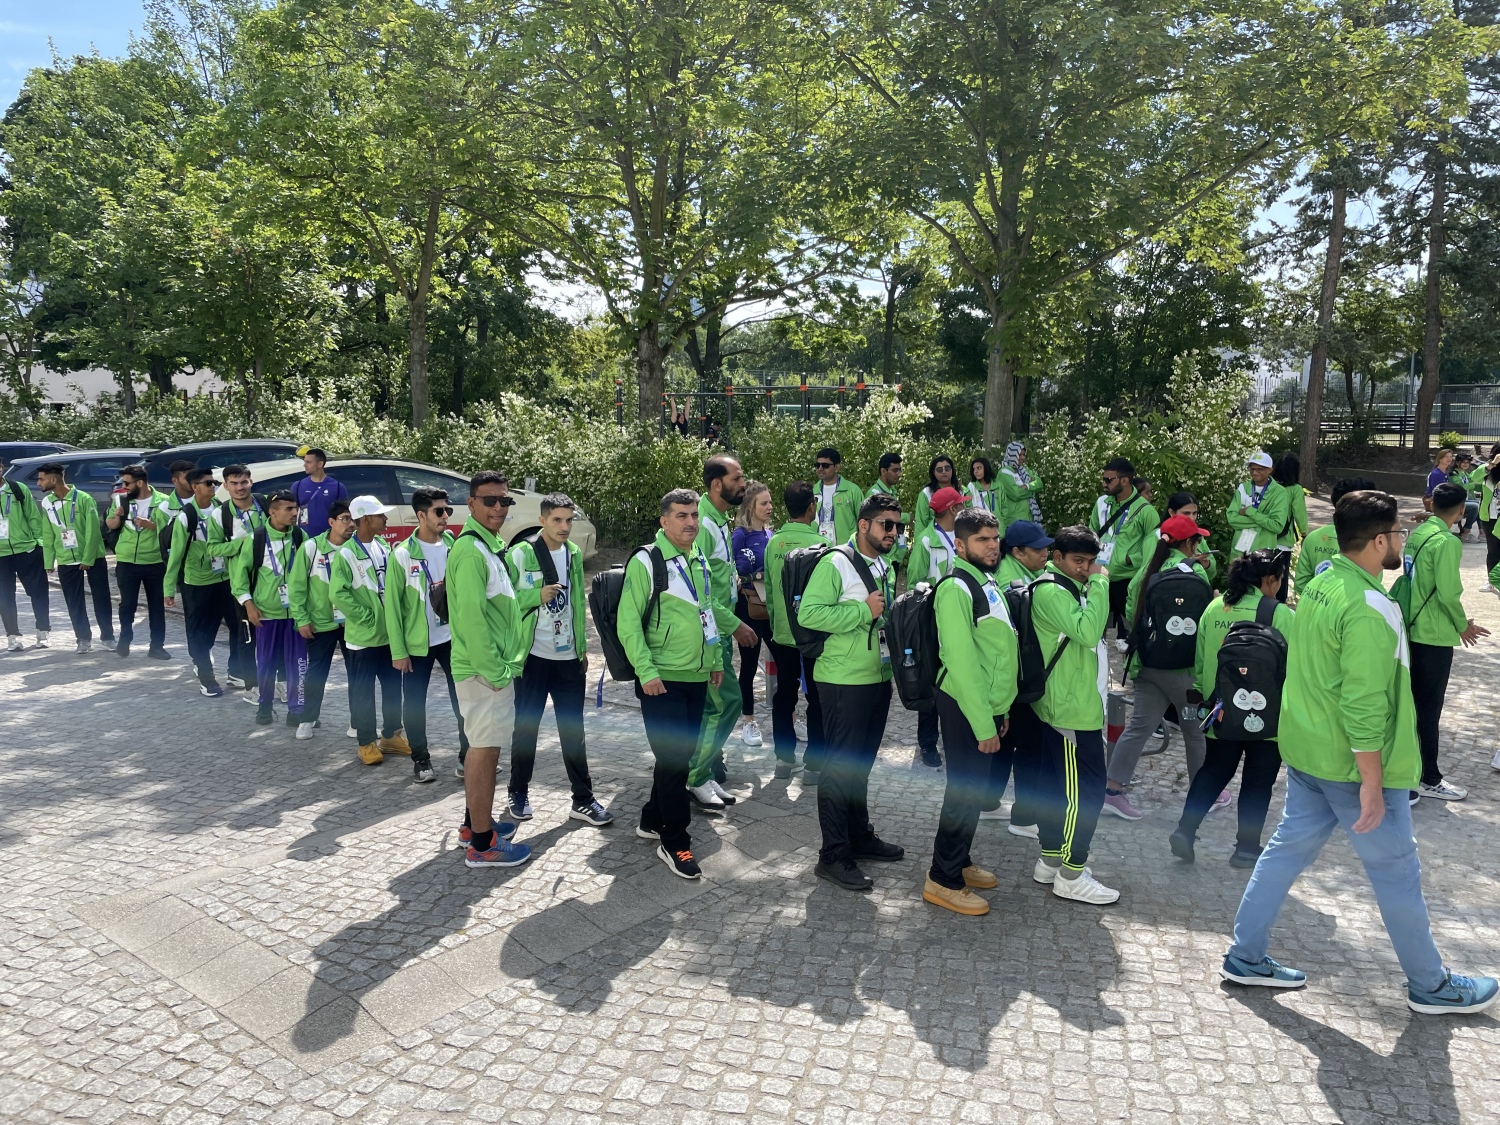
(1314, 808)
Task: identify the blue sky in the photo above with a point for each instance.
(75, 27)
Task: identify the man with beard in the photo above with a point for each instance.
(975, 689)
(846, 598)
(1348, 735)
(1124, 521)
(723, 489)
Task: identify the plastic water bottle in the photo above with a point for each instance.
(908, 660)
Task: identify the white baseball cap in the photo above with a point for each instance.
(362, 506)
(1261, 458)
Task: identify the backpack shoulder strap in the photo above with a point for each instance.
(226, 520)
(258, 542)
(1119, 513)
(981, 603)
(543, 559)
(1265, 611)
(658, 563)
(861, 567)
(298, 538)
(20, 492)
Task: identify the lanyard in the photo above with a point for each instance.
(56, 506)
(947, 542)
(1256, 495)
(379, 570)
(200, 532)
(244, 517)
(682, 570)
(271, 555)
(326, 558)
(985, 497)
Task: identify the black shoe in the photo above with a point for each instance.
(844, 874)
(122, 649)
(264, 717)
(681, 862)
(293, 721)
(1245, 857)
(158, 654)
(783, 771)
(879, 851)
(931, 758)
(1182, 845)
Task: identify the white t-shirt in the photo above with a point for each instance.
(436, 557)
(826, 523)
(553, 639)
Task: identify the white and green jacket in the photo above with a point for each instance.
(312, 572)
(357, 589)
(408, 591)
(527, 575)
(834, 603)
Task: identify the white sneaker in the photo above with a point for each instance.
(750, 733)
(1002, 813)
(707, 795)
(43, 639)
(304, 731)
(801, 730)
(1085, 888)
(15, 644)
(281, 691)
(723, 794)
(83, 647)
(1030, 831)
(1486, 589)
(1043, 873)
(352, 733)
(1121, 646)
(236, 682)
(1443, 791)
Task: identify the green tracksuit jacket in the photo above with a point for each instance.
(243, 525)
(1015, 497)
(1296, 497)
(20, 520)
(1348, 681)
(1074, 697)
(1437, 604)
(979, 661)
(405, 600)
(77, 514)
(357, 590)
(834, 602)
(1260, 526)
(1011, 571)
(670, 645)
(1214, 626)
(529, 580)
(312, 570)
(189, 563)
(1321, 544)
(899, 555)
(932, 556)
(791, 537)
(483, 616)
(137, 545)
(986, 496)
(265, 585)
(715, 533)
(847, 497)
(1128, 544)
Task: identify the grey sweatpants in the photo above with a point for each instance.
(1155, 689)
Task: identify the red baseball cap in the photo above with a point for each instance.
(945, 498)
(1179, 528)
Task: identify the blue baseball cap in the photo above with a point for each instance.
(1026, 533)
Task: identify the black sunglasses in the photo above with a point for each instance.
(437, 511)
(885, 524)
(491, 501)
(822, 464)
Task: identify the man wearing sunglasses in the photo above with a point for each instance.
(838, 499)
(1126, 524)
(321, 625)
(846, 598)
(415, 594)
(489, 651)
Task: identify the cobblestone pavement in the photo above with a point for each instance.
(207, 921)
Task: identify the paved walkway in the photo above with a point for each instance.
(207, 921)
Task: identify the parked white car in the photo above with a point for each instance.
(392, 482)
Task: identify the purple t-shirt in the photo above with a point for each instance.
(1435, 478)
(750, 550)
(314, 498)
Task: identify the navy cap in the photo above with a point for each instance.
(1025, 533)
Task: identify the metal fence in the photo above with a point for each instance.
(1470, 410)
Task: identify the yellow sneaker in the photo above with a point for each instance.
(962, 901)
(396, 744)
(370, 754)
(979, 877)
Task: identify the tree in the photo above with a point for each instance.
(1041, 141)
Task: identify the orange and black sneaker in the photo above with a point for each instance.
(503, 828)
(681, 861)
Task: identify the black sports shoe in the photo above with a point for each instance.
(158, 654)
(1245, 858)
(1182, 845)
(681, 862)
(879, 851)
(931, 759)
(122, 649)
(844, 874)
(264, 717)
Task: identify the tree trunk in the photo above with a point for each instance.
(999, 389)
(1317, 375)
(1432, 338)
(417, 377)
(649, 371)
(161, 377)
(1350, 394)
(1020, 422)
(888, 330)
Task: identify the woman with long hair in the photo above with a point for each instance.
(1156, 689)
(1287, 472)
(752, 531)
(940, 474)
(981, 491)
(1251, 579)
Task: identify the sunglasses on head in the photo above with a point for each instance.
(440, 511)
(491, 501)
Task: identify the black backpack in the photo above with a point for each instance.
(258, 541)
(796, 572)
(911, 632)
(605, 595)
(1251, 671)
(1032, 669)
(1166, 634)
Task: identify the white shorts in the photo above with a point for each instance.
(489, 715)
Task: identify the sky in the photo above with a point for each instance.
(29, 29)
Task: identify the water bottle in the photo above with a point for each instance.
(908, 660)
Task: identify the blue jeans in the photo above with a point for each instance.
(1314, 808)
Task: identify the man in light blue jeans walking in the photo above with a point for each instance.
(1348, 736)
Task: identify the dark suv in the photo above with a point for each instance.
(94, 471)
(215, 455)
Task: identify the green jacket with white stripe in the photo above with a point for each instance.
(407, 592)
(979, 660)
(357, 588)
